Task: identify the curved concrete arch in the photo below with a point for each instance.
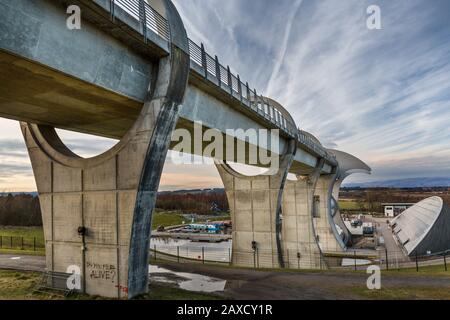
(348, 165)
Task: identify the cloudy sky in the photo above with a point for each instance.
(382, 95)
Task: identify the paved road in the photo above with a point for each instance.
(18, 262)
(249, 285)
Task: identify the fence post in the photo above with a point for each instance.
(178, 254)
(154, 249)
(254, 259)
(34, 243)
(203, 255)
(257, 258)
(354, 258)
(229, 256)
(11, 241)
(1, 241)
(445, 261)
(387, 260)
(417, 262)
(288, 260)
(204, 63)
(21, 243)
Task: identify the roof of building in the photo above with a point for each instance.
(416, 223)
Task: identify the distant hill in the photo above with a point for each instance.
(403, 183)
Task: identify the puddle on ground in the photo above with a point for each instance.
(351, 262)
(187, 281)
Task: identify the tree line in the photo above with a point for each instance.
(20, 210)
(25, 210)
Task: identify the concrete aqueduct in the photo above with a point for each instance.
(132, 74)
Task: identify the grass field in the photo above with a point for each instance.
(401, 293)
(174, 218)
(22, 240)
(33, 237)
(350, 205)
(15, 285)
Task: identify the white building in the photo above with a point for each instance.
(392, 210)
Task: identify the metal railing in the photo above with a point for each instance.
(145, 14)
(211, 69)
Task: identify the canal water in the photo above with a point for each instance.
(220, 252)
(187, 281)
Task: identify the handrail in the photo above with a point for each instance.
(146, 15)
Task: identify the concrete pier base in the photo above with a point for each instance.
(300, 246)
(324, 224)
(255, 205)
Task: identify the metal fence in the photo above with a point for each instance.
(148, 17)
(21, 243)
(263, 259)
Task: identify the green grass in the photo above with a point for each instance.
(159, 292)
(28, 234)
(350, 205)
(15, 285)
(167, 219)
(437, 270)
(401, 293)
(175, 218)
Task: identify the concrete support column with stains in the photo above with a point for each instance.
(255, 205)
(97, 212)
(300, 245)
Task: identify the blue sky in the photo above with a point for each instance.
(382, 95)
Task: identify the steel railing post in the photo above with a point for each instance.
(112, 8)
(239, 87)
(218, 75)
(204, 63)
(247, 87)
(230, 81)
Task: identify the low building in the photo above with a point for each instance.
(424, 228)
(392, 210)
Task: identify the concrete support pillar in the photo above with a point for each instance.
(324, 225)
(97, 212)
(301, 249)
(255, 205)
(299, 241)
